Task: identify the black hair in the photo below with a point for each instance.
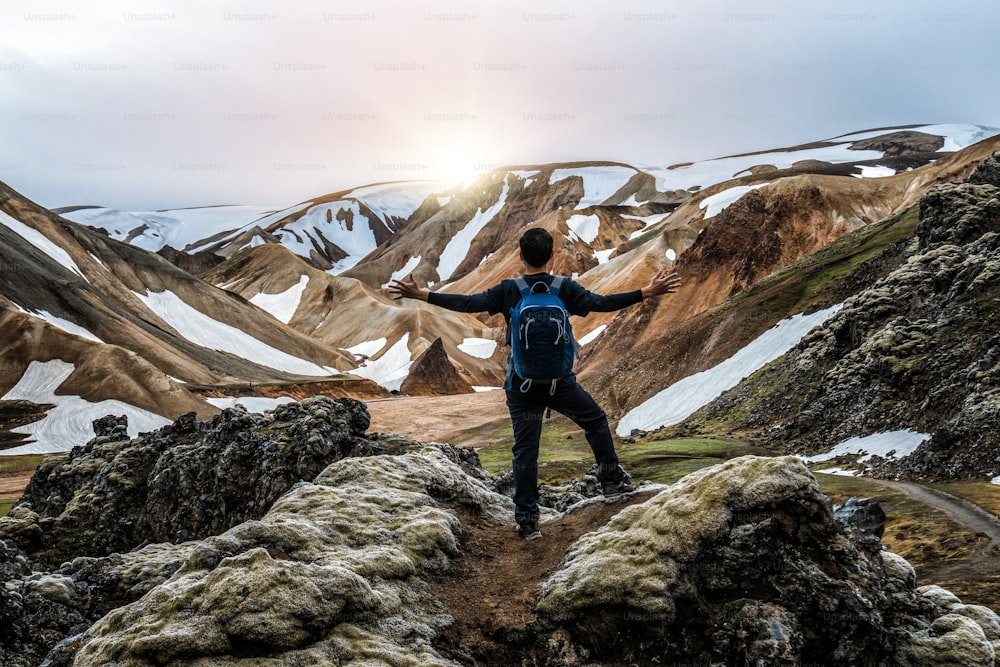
(536, 246)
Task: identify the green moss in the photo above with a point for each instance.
(814, 279)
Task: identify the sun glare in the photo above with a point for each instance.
(457, 163)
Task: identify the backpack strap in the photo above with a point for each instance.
(522, 285)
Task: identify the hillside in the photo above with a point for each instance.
(86, 317)
(298, 300)
(908, 352)
(340, 312)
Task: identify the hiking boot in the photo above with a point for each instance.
(528, 529)
(618, 483)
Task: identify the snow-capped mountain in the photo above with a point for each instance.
(333, 232)
(301, 295)
(86, 316)
(178, 228)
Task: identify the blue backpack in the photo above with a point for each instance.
(542, 348)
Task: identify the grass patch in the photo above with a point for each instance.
(919, 533)
(984, 494)
(20, 462)
(565, 454)
(6, 505)
(822, 272)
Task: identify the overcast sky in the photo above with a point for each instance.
(146, 105)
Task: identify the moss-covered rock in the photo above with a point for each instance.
(185, 481)
(744, 563)
(335, 571)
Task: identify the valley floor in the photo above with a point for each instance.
(469, 420)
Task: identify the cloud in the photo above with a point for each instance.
(185, 103)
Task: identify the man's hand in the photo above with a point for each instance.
(407, 288)
(661, 283)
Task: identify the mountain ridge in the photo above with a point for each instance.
(614, 225)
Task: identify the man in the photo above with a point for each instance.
(527, 402)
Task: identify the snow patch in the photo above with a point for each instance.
(483, 348)
(647, 221)
(683, 398)
(40, 241)
(390, 369)
(396, 200)
(459, 244)
(203, 330)
(584, 227)
(874, 172)
(711, 172)
(251, 403)
(282, 306)
(599, 183)
(368, 348)
(178, 228)
(65, 325)
(69, 423)
(527, 176)
(603, 256)
(718, 202)
(340, 222)
(839, 471)
(889, 444)
(405, 270)
(591, 335)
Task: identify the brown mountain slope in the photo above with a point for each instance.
(137, 329)
(649, 347)
(342, 312)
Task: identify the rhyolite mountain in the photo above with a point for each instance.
(729, 226)
(916, 347)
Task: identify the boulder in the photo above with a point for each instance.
(185, 481)
(741, 563)
(335, 572)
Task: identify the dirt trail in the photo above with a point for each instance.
(975, 580)
(12, 483)
(966, 513)
(493, 585)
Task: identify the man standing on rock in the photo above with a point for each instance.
(528, 401)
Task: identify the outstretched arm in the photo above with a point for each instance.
(661, 283)
(489, 301)
(407, 288)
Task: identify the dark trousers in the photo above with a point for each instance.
(527, 410)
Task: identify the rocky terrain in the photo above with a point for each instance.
(297, 538)
(908, 351)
